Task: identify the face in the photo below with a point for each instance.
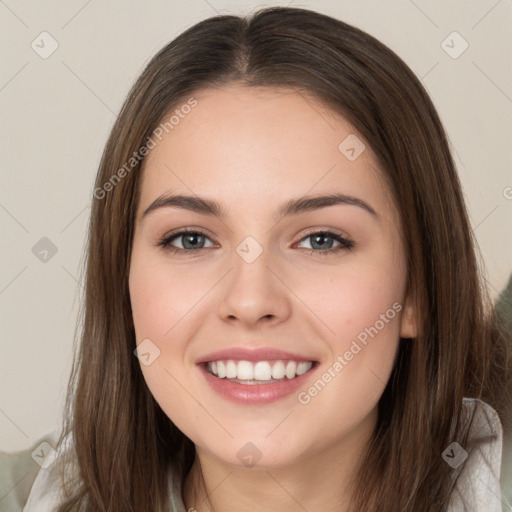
(311, 296)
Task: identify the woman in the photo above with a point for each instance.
(268, 375)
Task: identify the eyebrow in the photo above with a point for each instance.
(291, 207)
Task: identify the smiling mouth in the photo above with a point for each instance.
(260, 372)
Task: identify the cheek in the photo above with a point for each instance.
(349, 300)
(362, 308)
(165, 301)
(162, 296)
(160, 302)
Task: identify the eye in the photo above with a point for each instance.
(319, 238)
(194, 241)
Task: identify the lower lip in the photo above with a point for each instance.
(255, 393)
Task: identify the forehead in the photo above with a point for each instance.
(255, 144)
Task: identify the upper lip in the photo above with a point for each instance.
(252, 354)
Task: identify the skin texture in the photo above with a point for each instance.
(252, 149)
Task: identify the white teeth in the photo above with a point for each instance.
(245, 370)
(259, 371)
(291, 368)
(278, 370)
(221, 369)
(303, 368)
(262, 371)
(231, 370)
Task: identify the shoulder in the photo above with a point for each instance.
(477, 464)
(19, 470)
(30, 480)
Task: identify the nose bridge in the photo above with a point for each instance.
(251, 271)
(252, 289)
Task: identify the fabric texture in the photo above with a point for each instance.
(477, 487)
(18, 471)
(503, 310)
(27, 483)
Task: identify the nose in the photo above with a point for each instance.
(254, 293)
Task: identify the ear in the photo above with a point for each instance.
(409, 320)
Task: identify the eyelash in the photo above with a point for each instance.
(345, 243)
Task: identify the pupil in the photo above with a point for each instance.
(320, 237)
(191, 236)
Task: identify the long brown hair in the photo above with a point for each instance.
(124, 444)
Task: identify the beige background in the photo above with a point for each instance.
(57, 112)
